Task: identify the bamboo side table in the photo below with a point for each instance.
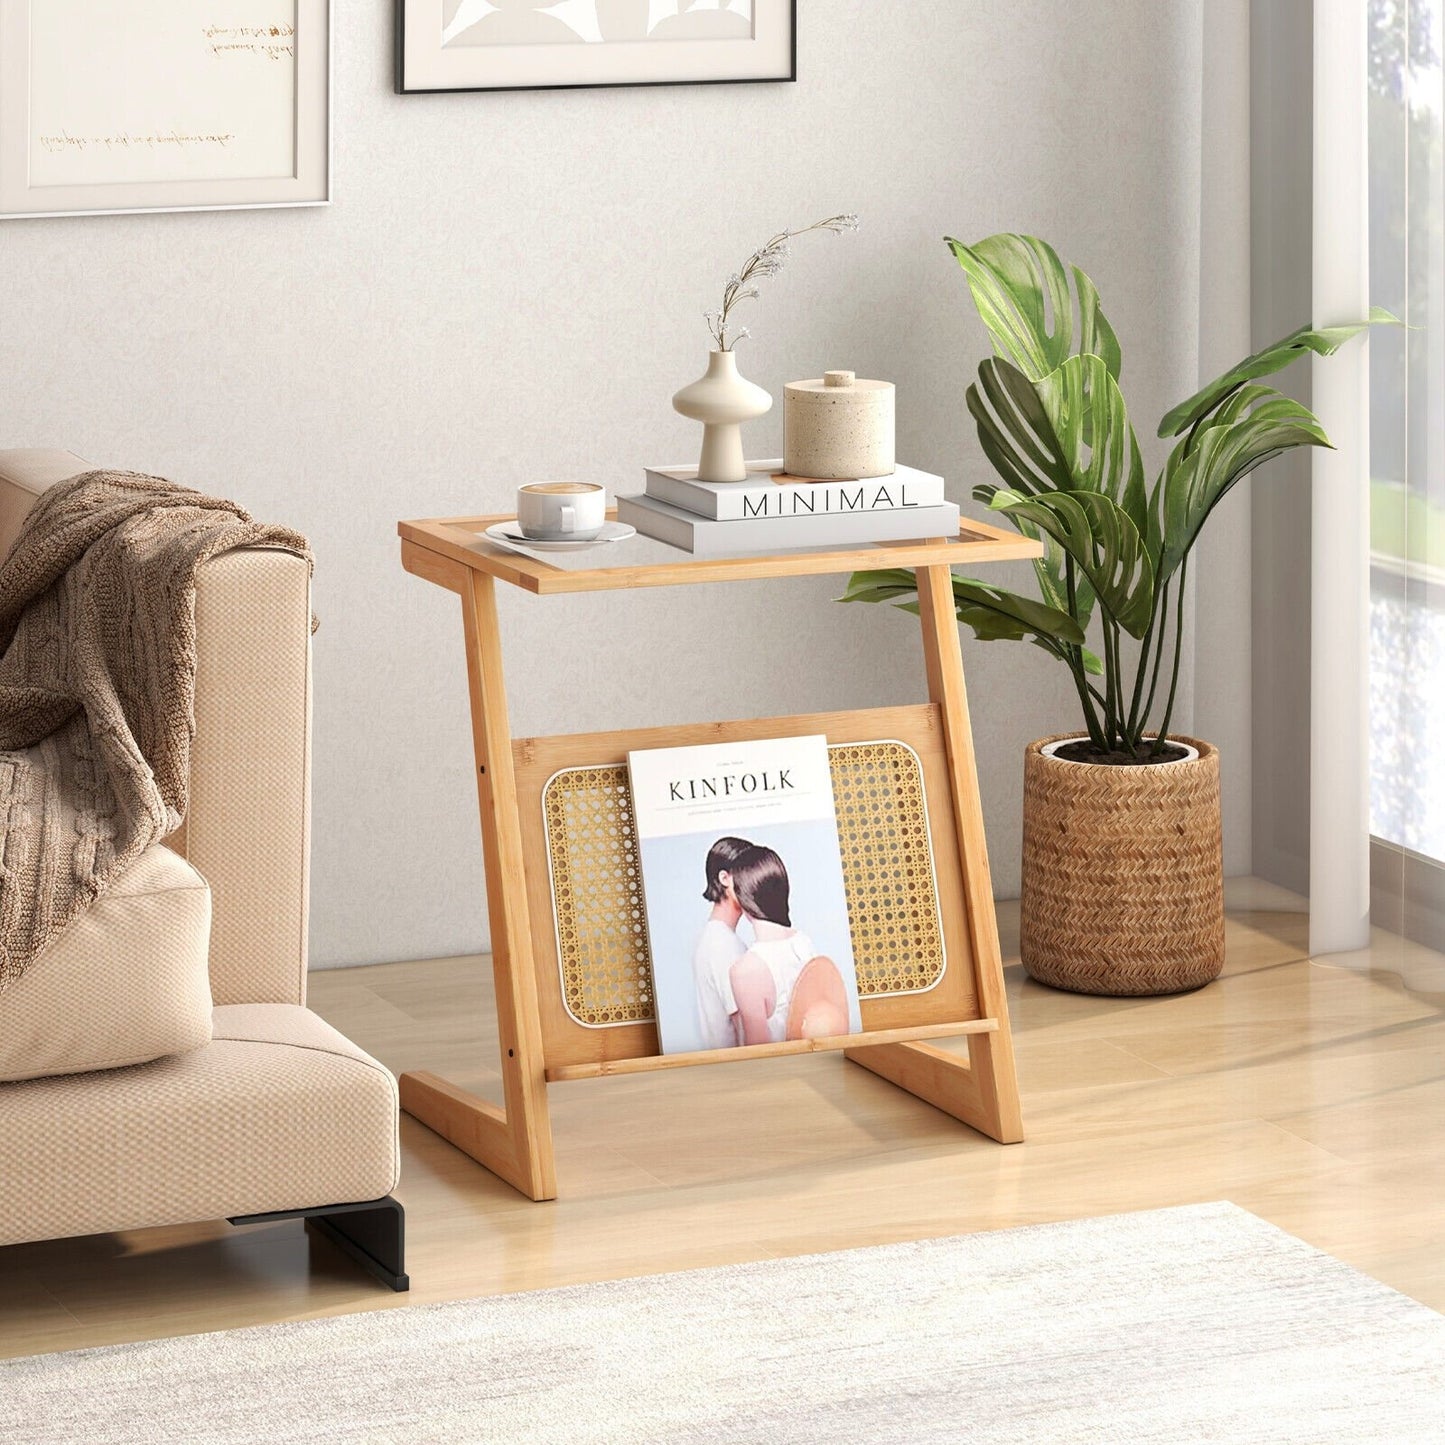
(573, 990)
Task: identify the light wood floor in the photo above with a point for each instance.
(1312, 1094)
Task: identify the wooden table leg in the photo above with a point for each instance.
(983, 1092)
(515, 1143)
(968, 1089)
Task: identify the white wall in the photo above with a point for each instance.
(509, 287)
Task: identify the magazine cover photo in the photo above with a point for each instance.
(746, 913)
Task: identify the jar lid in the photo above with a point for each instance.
(838, 382)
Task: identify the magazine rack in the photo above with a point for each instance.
(569, 954)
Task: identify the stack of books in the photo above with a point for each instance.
(769, 511)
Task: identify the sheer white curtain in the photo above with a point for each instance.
(1367, 227)
(1339, 557)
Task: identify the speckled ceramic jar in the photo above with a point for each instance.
(836, 426)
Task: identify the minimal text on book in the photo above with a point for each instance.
(808, 501)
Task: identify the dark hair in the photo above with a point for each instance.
(761, 884)
(720, 859)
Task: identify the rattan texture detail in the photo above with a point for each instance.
(893, 915)
(1123, 877)
(602, 948)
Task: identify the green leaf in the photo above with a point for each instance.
(1098, 534)
(997, 615)
(1050, 571)
(1024, 297)
(1253, 425)
(1067, 431)
(1089, 417)
(1051, 568)
(885, 585)
(994, 613)
(1015, 430)
(1322, 341)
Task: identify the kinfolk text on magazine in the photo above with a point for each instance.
(743, 883)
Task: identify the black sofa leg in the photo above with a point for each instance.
(373, 1233)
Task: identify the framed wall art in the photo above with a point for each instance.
(447, 45)
(163, 105)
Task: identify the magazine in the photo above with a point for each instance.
(742, 881)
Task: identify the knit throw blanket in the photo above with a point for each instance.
(97, 685)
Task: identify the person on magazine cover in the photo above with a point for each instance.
(782, 987)
(718, 948)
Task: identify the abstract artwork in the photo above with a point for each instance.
(162, 105)
(544, 44)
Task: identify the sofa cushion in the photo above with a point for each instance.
(278, 1111)
(125, 982)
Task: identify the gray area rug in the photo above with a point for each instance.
(1200, 1323)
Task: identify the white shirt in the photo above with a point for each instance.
(718, 948)
(785, 958)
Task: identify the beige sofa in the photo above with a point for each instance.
(255, 1107)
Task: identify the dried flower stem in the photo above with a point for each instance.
(766, 261)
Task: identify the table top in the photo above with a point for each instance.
(643, 562)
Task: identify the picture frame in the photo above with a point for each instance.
(154, 106)
(446, 46)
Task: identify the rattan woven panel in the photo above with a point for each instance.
(893, 913)
(597, 896)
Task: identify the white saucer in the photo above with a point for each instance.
(508, 534)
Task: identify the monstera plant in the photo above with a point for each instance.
(1052, 421)
(1101, 907)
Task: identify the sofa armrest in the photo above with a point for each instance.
(248, 825)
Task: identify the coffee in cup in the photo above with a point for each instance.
(561, 511)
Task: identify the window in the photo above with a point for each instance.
(1407, 427)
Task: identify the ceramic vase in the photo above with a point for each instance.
(722, 401)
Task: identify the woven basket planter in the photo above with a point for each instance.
(1123, 873)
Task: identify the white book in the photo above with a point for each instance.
(742, 881)
(768, 491)
(705, 538)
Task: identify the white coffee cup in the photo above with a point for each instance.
(561, 511)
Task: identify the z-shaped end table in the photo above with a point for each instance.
(573, 987)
